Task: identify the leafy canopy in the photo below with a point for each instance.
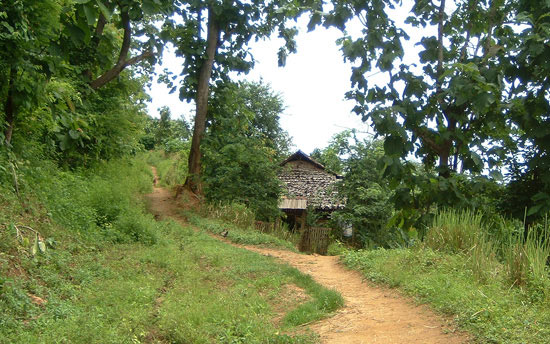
(243, 147)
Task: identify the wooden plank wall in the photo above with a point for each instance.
(315, 240)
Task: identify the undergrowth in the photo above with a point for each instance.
(112, 274)
(242, 218)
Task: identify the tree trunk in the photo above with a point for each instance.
(192, 182)
(444, 169)
(9, 106)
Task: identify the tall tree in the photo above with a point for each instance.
(449, 108)
(243, 147)
(230, 26)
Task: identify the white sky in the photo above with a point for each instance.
(312, 84)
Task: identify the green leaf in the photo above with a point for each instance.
(534, 209)
(496, 175)
(42, 246)
(74, 134)
(51, 242)
(541, 196)
(63, 142)
(393, 145)
(106, 13)
(76, 34)
(91, 14)
(477, 160)
(149, 7)
(314, 21)
(82, 1)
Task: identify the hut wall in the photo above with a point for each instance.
(303, 180)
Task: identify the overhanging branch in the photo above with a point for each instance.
(122, 61)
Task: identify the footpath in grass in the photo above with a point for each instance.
(122, 277)
(190, 288)
(493, 311)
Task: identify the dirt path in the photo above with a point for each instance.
(371, 314)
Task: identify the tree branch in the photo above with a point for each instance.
(122, 62)
(472, 4)
(427, 136)
(117, 69)
(440, 46)
(125, 19)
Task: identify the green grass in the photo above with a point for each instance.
(493, 311)
(488, 276)
(115, 275)
(189, 289)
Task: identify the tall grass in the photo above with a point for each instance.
(523, 258)
(235, 213)
(463, 232)
(490, 276)
(526, 259)
(455, 231)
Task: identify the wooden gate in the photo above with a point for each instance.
(315, 240)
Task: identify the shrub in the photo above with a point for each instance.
(136, 226)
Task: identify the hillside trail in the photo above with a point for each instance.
(371, 314)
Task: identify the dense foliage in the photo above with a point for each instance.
(368, 196)
(164, 133)
(68, 91)
(243, 147)
(475, 94)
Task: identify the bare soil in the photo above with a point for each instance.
(371, 314)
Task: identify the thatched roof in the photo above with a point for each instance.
(307, 183)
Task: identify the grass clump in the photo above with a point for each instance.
(454, 231)
(324, 301)
(526, 260)
(463, 232)
(234, 213)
